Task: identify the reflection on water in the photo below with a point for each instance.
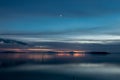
(8, 59)
(45, 66)
(41, 56)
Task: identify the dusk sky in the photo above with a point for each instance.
(68, 21)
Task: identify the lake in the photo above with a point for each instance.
(59, 66)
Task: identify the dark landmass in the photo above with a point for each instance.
(99, 53)
(53, 52)
(11, 52)
(28, 52)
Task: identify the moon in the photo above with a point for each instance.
(61, 15)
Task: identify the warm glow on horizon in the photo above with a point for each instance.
(63, 54)
(40, 50)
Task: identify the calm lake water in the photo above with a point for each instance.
(59, 66)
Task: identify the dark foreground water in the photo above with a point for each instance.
(59, 66)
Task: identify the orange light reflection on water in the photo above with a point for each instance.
(78, 55)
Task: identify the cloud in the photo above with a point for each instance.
(88, 44)
(100, 39)
(82, 46)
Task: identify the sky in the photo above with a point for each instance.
(66, 21)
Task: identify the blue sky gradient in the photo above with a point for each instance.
(74, 21)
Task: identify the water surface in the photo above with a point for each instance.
(59, 66)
